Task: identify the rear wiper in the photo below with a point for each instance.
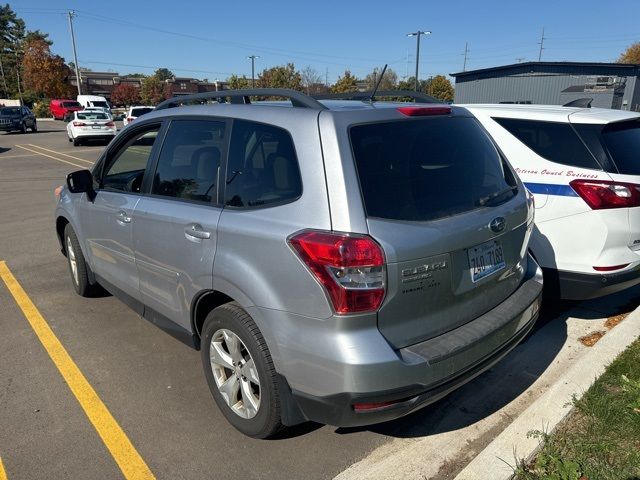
(486, 199)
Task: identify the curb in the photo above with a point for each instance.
(498, 459)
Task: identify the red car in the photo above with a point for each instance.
(62, 109)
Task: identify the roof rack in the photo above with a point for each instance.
(297, 99)
(418, 97)
(580, 103)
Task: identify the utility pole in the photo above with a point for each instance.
(326, 77)
(542, 39)
(253, 69)
(466, 51)
(417, 34)
(71, 14)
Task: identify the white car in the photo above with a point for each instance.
(90, 125)
(135, 112)
(99, 109)
(583, 167)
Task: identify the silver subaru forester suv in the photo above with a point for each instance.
(339, 261)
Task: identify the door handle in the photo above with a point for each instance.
(122, 217)
(195, 230)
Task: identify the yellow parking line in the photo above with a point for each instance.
(59, 153)
(3, 474)
(122, 450)
(49, 156)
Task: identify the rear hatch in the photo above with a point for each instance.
(450, 216)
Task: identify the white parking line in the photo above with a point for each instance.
(49, 156)
(59, 153)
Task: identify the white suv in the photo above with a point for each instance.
(583, 167)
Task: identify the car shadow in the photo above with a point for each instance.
(4, 149)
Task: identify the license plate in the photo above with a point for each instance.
(485, 259)
(96, 127)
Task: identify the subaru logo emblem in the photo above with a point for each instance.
(497, 224)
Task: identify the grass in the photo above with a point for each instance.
(600, 440)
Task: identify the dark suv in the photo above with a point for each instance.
(17, 119)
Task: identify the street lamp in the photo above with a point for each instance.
(418, 34)
(253, 69)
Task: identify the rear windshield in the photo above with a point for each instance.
(92, 116)
(138, 112)
(100, 104)
(70, 104)
(622, 141)
(10, 111)
(426, 169)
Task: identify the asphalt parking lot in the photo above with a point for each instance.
(152, 385)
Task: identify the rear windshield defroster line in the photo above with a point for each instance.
(428, 169)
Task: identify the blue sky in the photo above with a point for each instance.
(211, 39)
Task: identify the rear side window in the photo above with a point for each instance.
(138, 112)
(427, 169)
(622, 142)
(189, 161)
(263, 167)
(556, 142)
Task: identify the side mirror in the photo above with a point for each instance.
(81, 181)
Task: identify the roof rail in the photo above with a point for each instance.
(418, 97)
(580, 103)
(297, 99)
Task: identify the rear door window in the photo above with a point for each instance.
(427, 169)
(188, 167)
(554, 141)
(263, 168)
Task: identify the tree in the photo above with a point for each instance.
(12, 32)
(44, 73)
(389, 80)
(440, 87)
(631, 54)
(345, 83)
(125, 93)
(311, 80)
(238, 83)
(282, 76)
(163, 74)
(152, 90)
(410, 83)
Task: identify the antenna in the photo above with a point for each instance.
(542, 39)
(373, 94)
(466, 51)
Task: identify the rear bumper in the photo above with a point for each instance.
(95, 135)
(583, 286)
(433, 368)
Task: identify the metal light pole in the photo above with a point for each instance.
(71, 14)
(253, 69)
(418, 34)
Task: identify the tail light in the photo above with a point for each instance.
(602, 194)
(351, 268)
(79, 124)
(109, 124)
(130, 119)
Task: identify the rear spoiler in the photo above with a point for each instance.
(579, 103)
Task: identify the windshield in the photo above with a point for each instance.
(426, 169)
(70, 104)
(138, 112)
(10, 111)
(100, 104)
(92, 116)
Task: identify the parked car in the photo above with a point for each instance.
(583, 168)
(135, 112)
(17, 119)
(62, 109)
(88, 101)
(90, 125)
(340, 261)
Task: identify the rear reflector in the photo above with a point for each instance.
(351, 268)
(373, 407)
(609, 269)
(424, 111)
(603, 194)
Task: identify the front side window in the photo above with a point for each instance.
(125, 169)
(188, 167)
(263, 168)
(556, 142)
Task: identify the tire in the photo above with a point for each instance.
(23, 128)
(70, 139)
(78, 268)
(259, 419)
(76, 142)
(34, 129)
